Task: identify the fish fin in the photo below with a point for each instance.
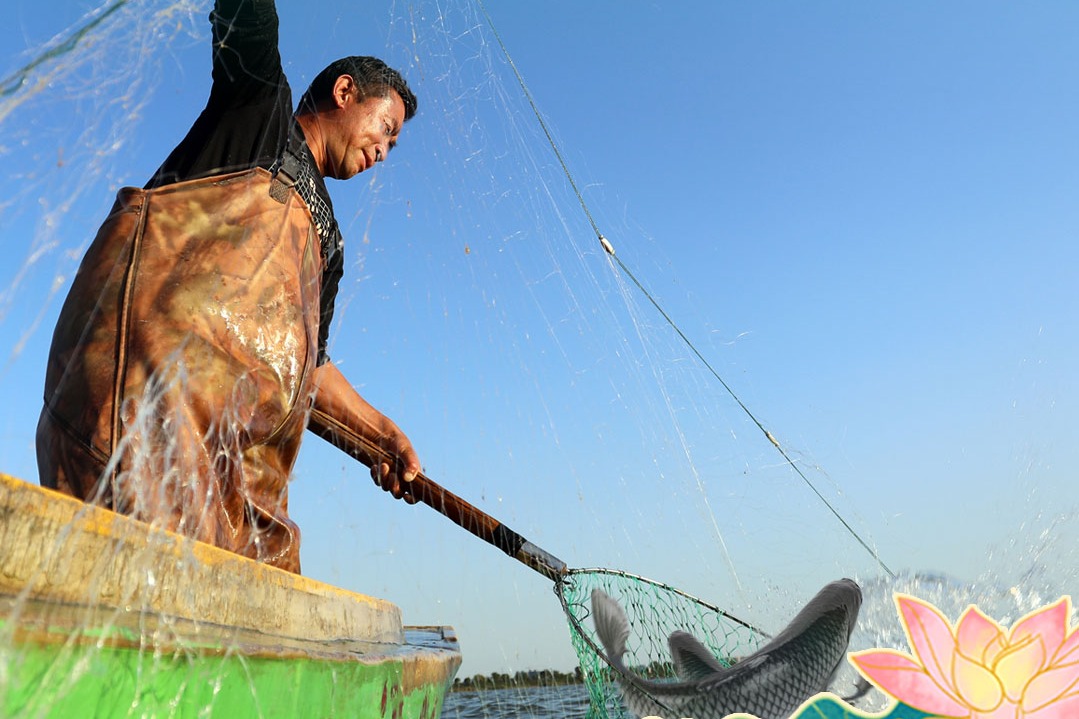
(611, 624)
(692, 660)
(861, 688)
(752, 662)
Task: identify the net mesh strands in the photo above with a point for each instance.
(655, 610)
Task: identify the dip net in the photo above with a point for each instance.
(654, 611)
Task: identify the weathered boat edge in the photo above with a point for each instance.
(65, 550)
(101, 615)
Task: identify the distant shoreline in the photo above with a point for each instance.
(521, 680)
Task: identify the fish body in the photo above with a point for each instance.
(771, 683)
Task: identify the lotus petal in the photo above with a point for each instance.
(1065, 708)
(904, 679)
(1050, 685)
(978, 687)
(1006, 710)
(979, 637)
(1018, 665)
(1050, 623)
(930, 637)
(1069, 650)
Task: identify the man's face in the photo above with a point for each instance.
(363, 133)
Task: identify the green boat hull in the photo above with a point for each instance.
(63, 672)
(104, 617)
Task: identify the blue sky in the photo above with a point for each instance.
(863, 214)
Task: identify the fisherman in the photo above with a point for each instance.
(191, 351)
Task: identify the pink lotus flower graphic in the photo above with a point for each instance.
(979, 670)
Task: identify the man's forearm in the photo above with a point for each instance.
(341, 416)
(245, 40)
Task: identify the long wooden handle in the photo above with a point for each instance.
(457, 510)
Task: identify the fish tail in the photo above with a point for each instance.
(611, 624)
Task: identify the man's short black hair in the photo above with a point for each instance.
(373, 78)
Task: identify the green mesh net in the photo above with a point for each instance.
(654, 611)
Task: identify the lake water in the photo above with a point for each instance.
(572, 703)
(568, 702)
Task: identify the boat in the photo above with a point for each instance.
(105, 616)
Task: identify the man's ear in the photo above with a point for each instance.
(343, 88)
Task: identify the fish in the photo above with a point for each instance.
(770, 683)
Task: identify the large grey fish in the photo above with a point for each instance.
(770, 683)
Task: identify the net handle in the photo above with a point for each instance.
(463, 514)
(492, 531)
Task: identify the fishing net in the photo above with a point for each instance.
(476, 239)
(654, 611)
